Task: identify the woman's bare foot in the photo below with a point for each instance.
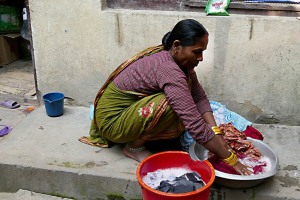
(136, 153)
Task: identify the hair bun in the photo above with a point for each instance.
(166, 38)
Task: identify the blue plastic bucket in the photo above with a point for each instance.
(54, 104)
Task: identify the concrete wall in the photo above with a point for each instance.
(252, 64)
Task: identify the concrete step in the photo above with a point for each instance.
(28, 195)
(43, 155)
(6, 196)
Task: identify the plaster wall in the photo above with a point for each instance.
(252, 64)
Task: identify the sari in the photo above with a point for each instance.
(123, 116)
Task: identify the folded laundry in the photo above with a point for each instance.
(224, 116)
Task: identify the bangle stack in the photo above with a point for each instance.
(217, 130)
(231, 160)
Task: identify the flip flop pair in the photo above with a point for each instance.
(4, 130)
(9, 104)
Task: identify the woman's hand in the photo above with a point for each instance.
(218, 146)
(242, 169)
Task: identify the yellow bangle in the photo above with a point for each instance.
(216, 130)
(231, 160)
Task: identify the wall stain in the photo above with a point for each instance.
(250, 111)
(251, 29)
(221, 38)
(257, 115)
(119, 37)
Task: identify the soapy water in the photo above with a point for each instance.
(153, 179)
(261, 166)
(257, 166)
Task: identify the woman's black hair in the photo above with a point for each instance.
(187, 31)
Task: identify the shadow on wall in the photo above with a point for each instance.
(256, 115)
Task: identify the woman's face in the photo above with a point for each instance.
(188, 57)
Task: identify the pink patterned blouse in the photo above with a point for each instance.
(158, 72)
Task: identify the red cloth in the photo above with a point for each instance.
(253, 133)
(223, 167)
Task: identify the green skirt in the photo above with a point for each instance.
(123, 116)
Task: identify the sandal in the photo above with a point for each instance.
(9, 104)
(5, 130)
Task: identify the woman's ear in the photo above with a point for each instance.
(176, 46)
(176, 43)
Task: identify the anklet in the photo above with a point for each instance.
(138, 149)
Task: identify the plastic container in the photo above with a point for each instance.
(25, 33)
(170, 159)
(54, 104)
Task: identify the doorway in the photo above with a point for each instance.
(17, 72)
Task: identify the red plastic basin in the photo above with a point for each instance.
(171, 159)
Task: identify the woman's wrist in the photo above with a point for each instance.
(217, 146)
(232, 160)
(216, 130)
(226, 155)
